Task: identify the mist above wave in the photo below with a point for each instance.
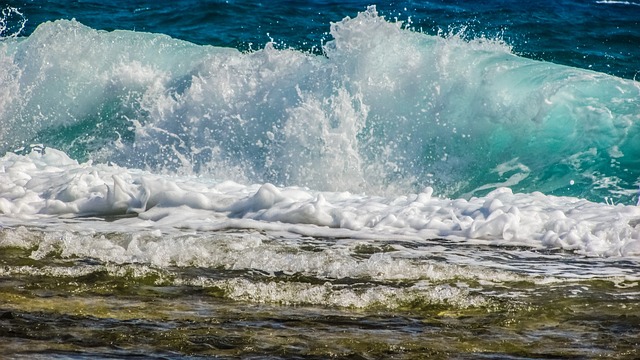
(386, 110)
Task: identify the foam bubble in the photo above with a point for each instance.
(41, 185)
(290, 293)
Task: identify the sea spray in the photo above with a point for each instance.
(12, 22)
(343, 134)
(386, 110)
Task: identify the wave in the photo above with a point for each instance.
(385, 110)
(45, 184)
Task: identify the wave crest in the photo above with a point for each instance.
(386, 110)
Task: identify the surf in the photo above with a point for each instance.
(385, 110)
(390, 133)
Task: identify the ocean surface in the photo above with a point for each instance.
(319, 179)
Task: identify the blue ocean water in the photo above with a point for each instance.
(319, 179)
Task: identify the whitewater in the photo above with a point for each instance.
(391, 133)
(395, 171)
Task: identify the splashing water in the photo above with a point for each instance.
(385, 111)
(12, 23)
(375, 199)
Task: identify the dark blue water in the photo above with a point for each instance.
(592, 34)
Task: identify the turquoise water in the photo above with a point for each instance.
(319, 180)
(462, 114)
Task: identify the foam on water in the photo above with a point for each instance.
(338, 273)
(385, 111)
(40, 185)
(614, 2)
(393, 135)
(282, 292)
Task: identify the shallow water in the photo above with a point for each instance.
(349, 299)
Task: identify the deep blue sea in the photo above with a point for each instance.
(319, 179)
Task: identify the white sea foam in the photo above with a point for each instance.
(614, 2)
(41, 185)
(288, 293)
(281, 292)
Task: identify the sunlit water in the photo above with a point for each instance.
(383, 193)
